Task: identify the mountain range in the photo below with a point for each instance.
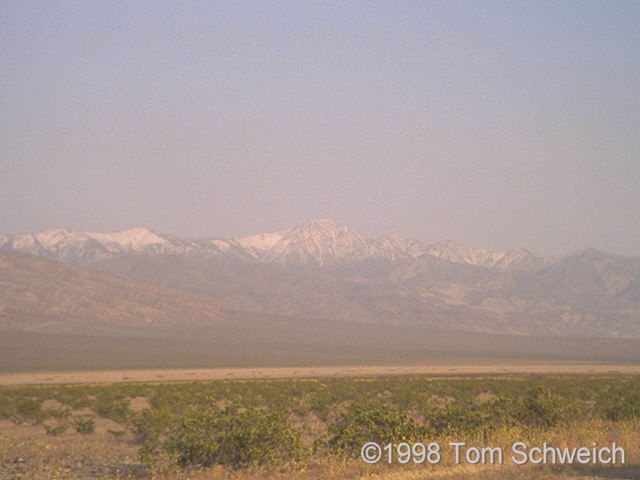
(315, 243)
(325, 271)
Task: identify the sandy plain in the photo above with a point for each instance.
(204, 374)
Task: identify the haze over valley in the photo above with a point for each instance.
(216, 131)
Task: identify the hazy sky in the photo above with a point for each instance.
(496, 124)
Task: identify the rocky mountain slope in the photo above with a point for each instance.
(41, 295)
(328, 271)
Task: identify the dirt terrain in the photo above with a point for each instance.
(187, 375)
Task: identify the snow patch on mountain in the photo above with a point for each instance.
(133, 238)
(394, 248)
(257, 245)
(80, 248)
(519, 258)
(315, 243)
(455, 252)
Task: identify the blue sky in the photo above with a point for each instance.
(496, 124)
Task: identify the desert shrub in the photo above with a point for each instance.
(73, 396)
(151, 425)
(28, 408)
(538, 408)
(358, 425)
(457, 419)
(113, 405)
(233, 436)
(56, 429)
(84, 425)
(6, 406)
(620, 402)
(542, 408)
(60, 414)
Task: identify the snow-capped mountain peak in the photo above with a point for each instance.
(261, 242)
(133, 238)
(316, 243)
(319, 242)
(80, 248)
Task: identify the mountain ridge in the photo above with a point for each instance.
(321, 270)
(325, 270)
(317, 242)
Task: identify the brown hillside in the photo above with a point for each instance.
(40, 294)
